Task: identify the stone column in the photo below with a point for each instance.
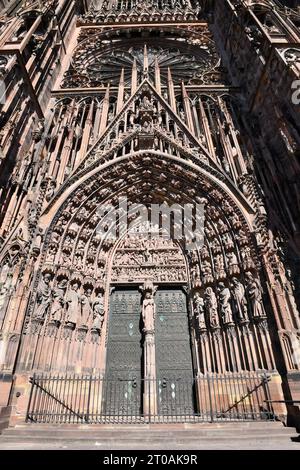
(148, 316)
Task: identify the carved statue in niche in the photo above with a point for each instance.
(233, 264)
(220, 267)
(182, 115)
(204, 252)
(207, 272)
(239, 300)
(51, 254)
(66, 260)
(147, 103)
(247, 258)
(228, 242)
(43, 297)
(50, 191)
(222, 227)
(5, 274)
(199, 310)
(242, 237)
(148, 312)
(224, 298)
(5, 284)
(86, 310)
(216, 247)
(209, 231)
(4, 291)
(255, 293)
(98, 312)
(236, 223)
(211, 306)
(77, 260)
(195, 272)
(73, 304)
(58, 306)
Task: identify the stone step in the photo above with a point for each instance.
(184, 428)
(163, 432)
(5, 412)
(155, 426)
(276, 430)
(204, 444)
(147, 428)
(182, 436)
(122, 435)
(158, 439)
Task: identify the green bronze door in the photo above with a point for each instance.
(173, 354)
(124, 354)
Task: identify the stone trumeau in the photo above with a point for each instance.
(155, 102)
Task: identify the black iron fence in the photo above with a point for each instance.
(93, 399)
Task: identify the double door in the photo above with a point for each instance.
(124, 385)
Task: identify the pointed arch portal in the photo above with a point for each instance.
(142, 369)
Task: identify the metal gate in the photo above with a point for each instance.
(92, 399)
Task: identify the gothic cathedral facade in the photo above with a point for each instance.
(136, 105)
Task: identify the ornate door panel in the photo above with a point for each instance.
(124, 353)
(173, 353)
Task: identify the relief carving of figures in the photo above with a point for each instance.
(43, 297)
(255, 293)
(148, 312)
(58, 306)
(98, 312)
(73, 304)
(239, 299)
(225, 307)
(147, 256)
(199, 310)
(211, 306)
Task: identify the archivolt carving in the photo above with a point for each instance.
(75, 260)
